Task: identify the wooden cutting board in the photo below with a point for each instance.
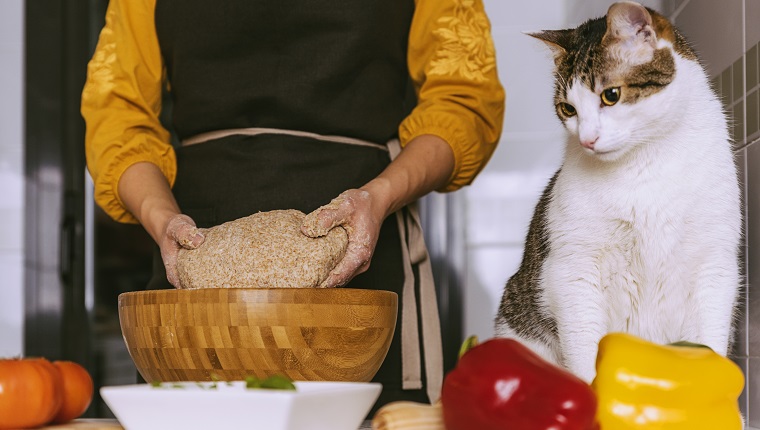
(87, 424)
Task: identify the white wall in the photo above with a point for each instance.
(501, 200)
(11, 177)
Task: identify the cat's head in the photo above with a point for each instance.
(610, 77)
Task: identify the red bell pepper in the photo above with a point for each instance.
(501, 384)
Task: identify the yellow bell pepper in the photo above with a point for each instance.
(643, 385)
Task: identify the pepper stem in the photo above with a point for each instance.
(467, 345)
(686, 343)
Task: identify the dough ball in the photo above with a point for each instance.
(263, 250)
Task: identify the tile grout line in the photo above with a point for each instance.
(745, 96)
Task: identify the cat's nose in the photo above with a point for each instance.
(589, 143)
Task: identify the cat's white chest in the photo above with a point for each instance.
(630, 243)
(642, 276)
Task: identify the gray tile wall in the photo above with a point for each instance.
(746, 110)
(727, 36)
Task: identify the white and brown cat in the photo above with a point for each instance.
(639, 230)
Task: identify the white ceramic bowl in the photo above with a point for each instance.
(313, 406)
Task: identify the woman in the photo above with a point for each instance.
(291, 104)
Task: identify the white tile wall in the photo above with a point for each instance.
(11, 304)
(11, 189)
(488, 270)
(11, 177)
(500, 201)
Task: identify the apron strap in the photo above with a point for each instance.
(253, 131)
(411, 374)
(415, 252)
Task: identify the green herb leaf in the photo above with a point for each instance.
(252, 382)
(159, 384)
(215, 378)
(278, 382)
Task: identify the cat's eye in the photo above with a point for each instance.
(567, 109)
(610, 96)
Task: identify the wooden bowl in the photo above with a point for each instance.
(332, 334)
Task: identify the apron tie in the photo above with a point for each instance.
(253, 131)
(413, 251)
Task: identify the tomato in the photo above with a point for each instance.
(77, 391)
(30, 392)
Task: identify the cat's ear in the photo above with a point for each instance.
(557, 40)
(629, 27)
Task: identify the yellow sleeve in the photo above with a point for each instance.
(121, 102)
(452, 63)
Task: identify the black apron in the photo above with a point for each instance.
(316, 66)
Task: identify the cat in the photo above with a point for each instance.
(639, 229)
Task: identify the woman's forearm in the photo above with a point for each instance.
(147, 195)
(424, 165)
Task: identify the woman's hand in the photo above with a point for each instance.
(180, 232)
(147, 195)
(361, 215)
(424, 165)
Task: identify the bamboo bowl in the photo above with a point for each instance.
(333, 334)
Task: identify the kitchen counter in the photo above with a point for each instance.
(87, 424)
(108, 424)
(111, 424)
